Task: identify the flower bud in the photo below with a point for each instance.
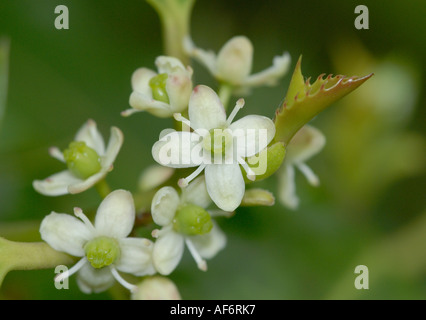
(82, 160)
(192, 220)
(156, 288)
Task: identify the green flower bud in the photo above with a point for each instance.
(158, 87)
(82, 160)
(218, 141)
(102, 251)
(192, 220)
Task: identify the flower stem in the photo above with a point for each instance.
(103, 188)
(225, 93)
(29, 256)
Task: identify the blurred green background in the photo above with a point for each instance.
(370, 207)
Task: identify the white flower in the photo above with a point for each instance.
(162, 93)
(156, 288)
(88, 162)
(104, 247)
(307, 142)
(183, 220)
(233, 63)
(236, 141)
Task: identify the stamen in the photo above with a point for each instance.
(70, 272)
(124, 283)
(250, 173)
(185, 121)
(57, 154)
(183, 183)
(79, 214)
(239, 105)
(201, 263)
(309, 174)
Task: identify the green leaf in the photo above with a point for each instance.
(305, 100)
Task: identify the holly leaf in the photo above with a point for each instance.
(305, 100)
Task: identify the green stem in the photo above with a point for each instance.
(103, 188)
(29, 256)
(225, 93)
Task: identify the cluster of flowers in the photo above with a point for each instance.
(184, 214)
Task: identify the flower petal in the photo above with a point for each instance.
(135, 256)
(196, 193)
(225, 185)
(89, 134)
(65, 233)
(166, 64)
(271, 75)
(179, 149)
(307, 142)
(140, 81)
(287, 187)
(207, 58)
(83, 185)
(94, 280)
(208, 245)
(153, 177)
(179, 88)
(116, 215)
(57, 184)
(143, 102)
(164, 205)
(114, 146)
(234, 60)
(206, 111)
(168, 251)
(252, 134)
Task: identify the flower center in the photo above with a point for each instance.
(192, 220)
(218, 141)
(102, 251)
(158, 87)
(82, 160)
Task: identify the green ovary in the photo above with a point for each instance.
(158, 87)
(192, 220)
(82, 160)
(218, 141)
(102, 251)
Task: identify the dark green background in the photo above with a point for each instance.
(60, 78)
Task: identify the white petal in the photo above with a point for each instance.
(207, 58)
(168, 250)
(179, 149)
(135, 256)
(196, 193)
(94, 280)
(65, 233)
(83, 185)
(153, 177)
(225, 185)
(115, 216)
(271, 75)
(114, 146)
(252, 134)
(166, 64)
(234, 60)
(287, 187)
(179, 88)
(89, 134)
(205, 109)
(307, 142)
(143, 102)
(57, 184)
(208, 245)
(140, 81)
(164, 205)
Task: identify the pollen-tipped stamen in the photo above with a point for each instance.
(66, 274)
(201, 263)
(239, 105)
(185, 181)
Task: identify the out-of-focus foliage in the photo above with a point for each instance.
(369, 209)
